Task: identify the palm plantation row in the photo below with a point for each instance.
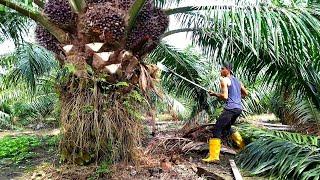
(274, 47)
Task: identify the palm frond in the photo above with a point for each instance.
(43, 105)
(299, 109)
(18, 103)
(281, 154)
(183, 105)
(178, 61)
(166, 3)
(186, 64)
(32, 62)
(14, 26)
(30, 67)
(258, 100)
(252, 134)
(280, 158)
(10, 95)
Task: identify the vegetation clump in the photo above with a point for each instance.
(18, 148)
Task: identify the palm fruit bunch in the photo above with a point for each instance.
(90, 2)
(47, 40)
(104, 21)
(60, 12)
(121, 4)
(158, 23)
(150, 26)
(126, 4)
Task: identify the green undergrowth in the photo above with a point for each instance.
(19, 148)
(102, 171)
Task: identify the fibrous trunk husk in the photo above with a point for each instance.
(100, 110)
(97, 125)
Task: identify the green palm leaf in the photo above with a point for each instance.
(281, 154)
(32, 62)
(13, 26)
(186, 64)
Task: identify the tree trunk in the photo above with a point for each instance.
(99, 120)
(285, 116)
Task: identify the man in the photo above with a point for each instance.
(232, 91)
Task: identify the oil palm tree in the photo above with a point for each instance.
(97, 100)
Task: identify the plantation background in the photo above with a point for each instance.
(66, 107)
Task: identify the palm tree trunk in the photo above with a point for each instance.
(285, 116)
(98, 124)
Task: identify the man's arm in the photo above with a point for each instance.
(224, 91)
(244, 91)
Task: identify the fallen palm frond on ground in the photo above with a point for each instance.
(168, 143)
(175, 144)
(281, 154)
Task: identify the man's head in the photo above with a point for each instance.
(226, 70)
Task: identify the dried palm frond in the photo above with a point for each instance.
(168, 143)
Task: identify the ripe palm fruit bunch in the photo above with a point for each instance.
(151, 24)
(60, 12)
(104, 22)
(96, 1)
(121, 4)
(47, 40)
(126, 4)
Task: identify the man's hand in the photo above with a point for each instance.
(211, 93)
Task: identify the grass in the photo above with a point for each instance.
(103, 170)
(20, 148)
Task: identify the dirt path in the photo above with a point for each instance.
(43, 132)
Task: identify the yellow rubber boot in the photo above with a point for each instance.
(214, 150)
(236, 137)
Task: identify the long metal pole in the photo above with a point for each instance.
(188, 80)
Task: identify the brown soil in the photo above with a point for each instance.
(43, 132)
